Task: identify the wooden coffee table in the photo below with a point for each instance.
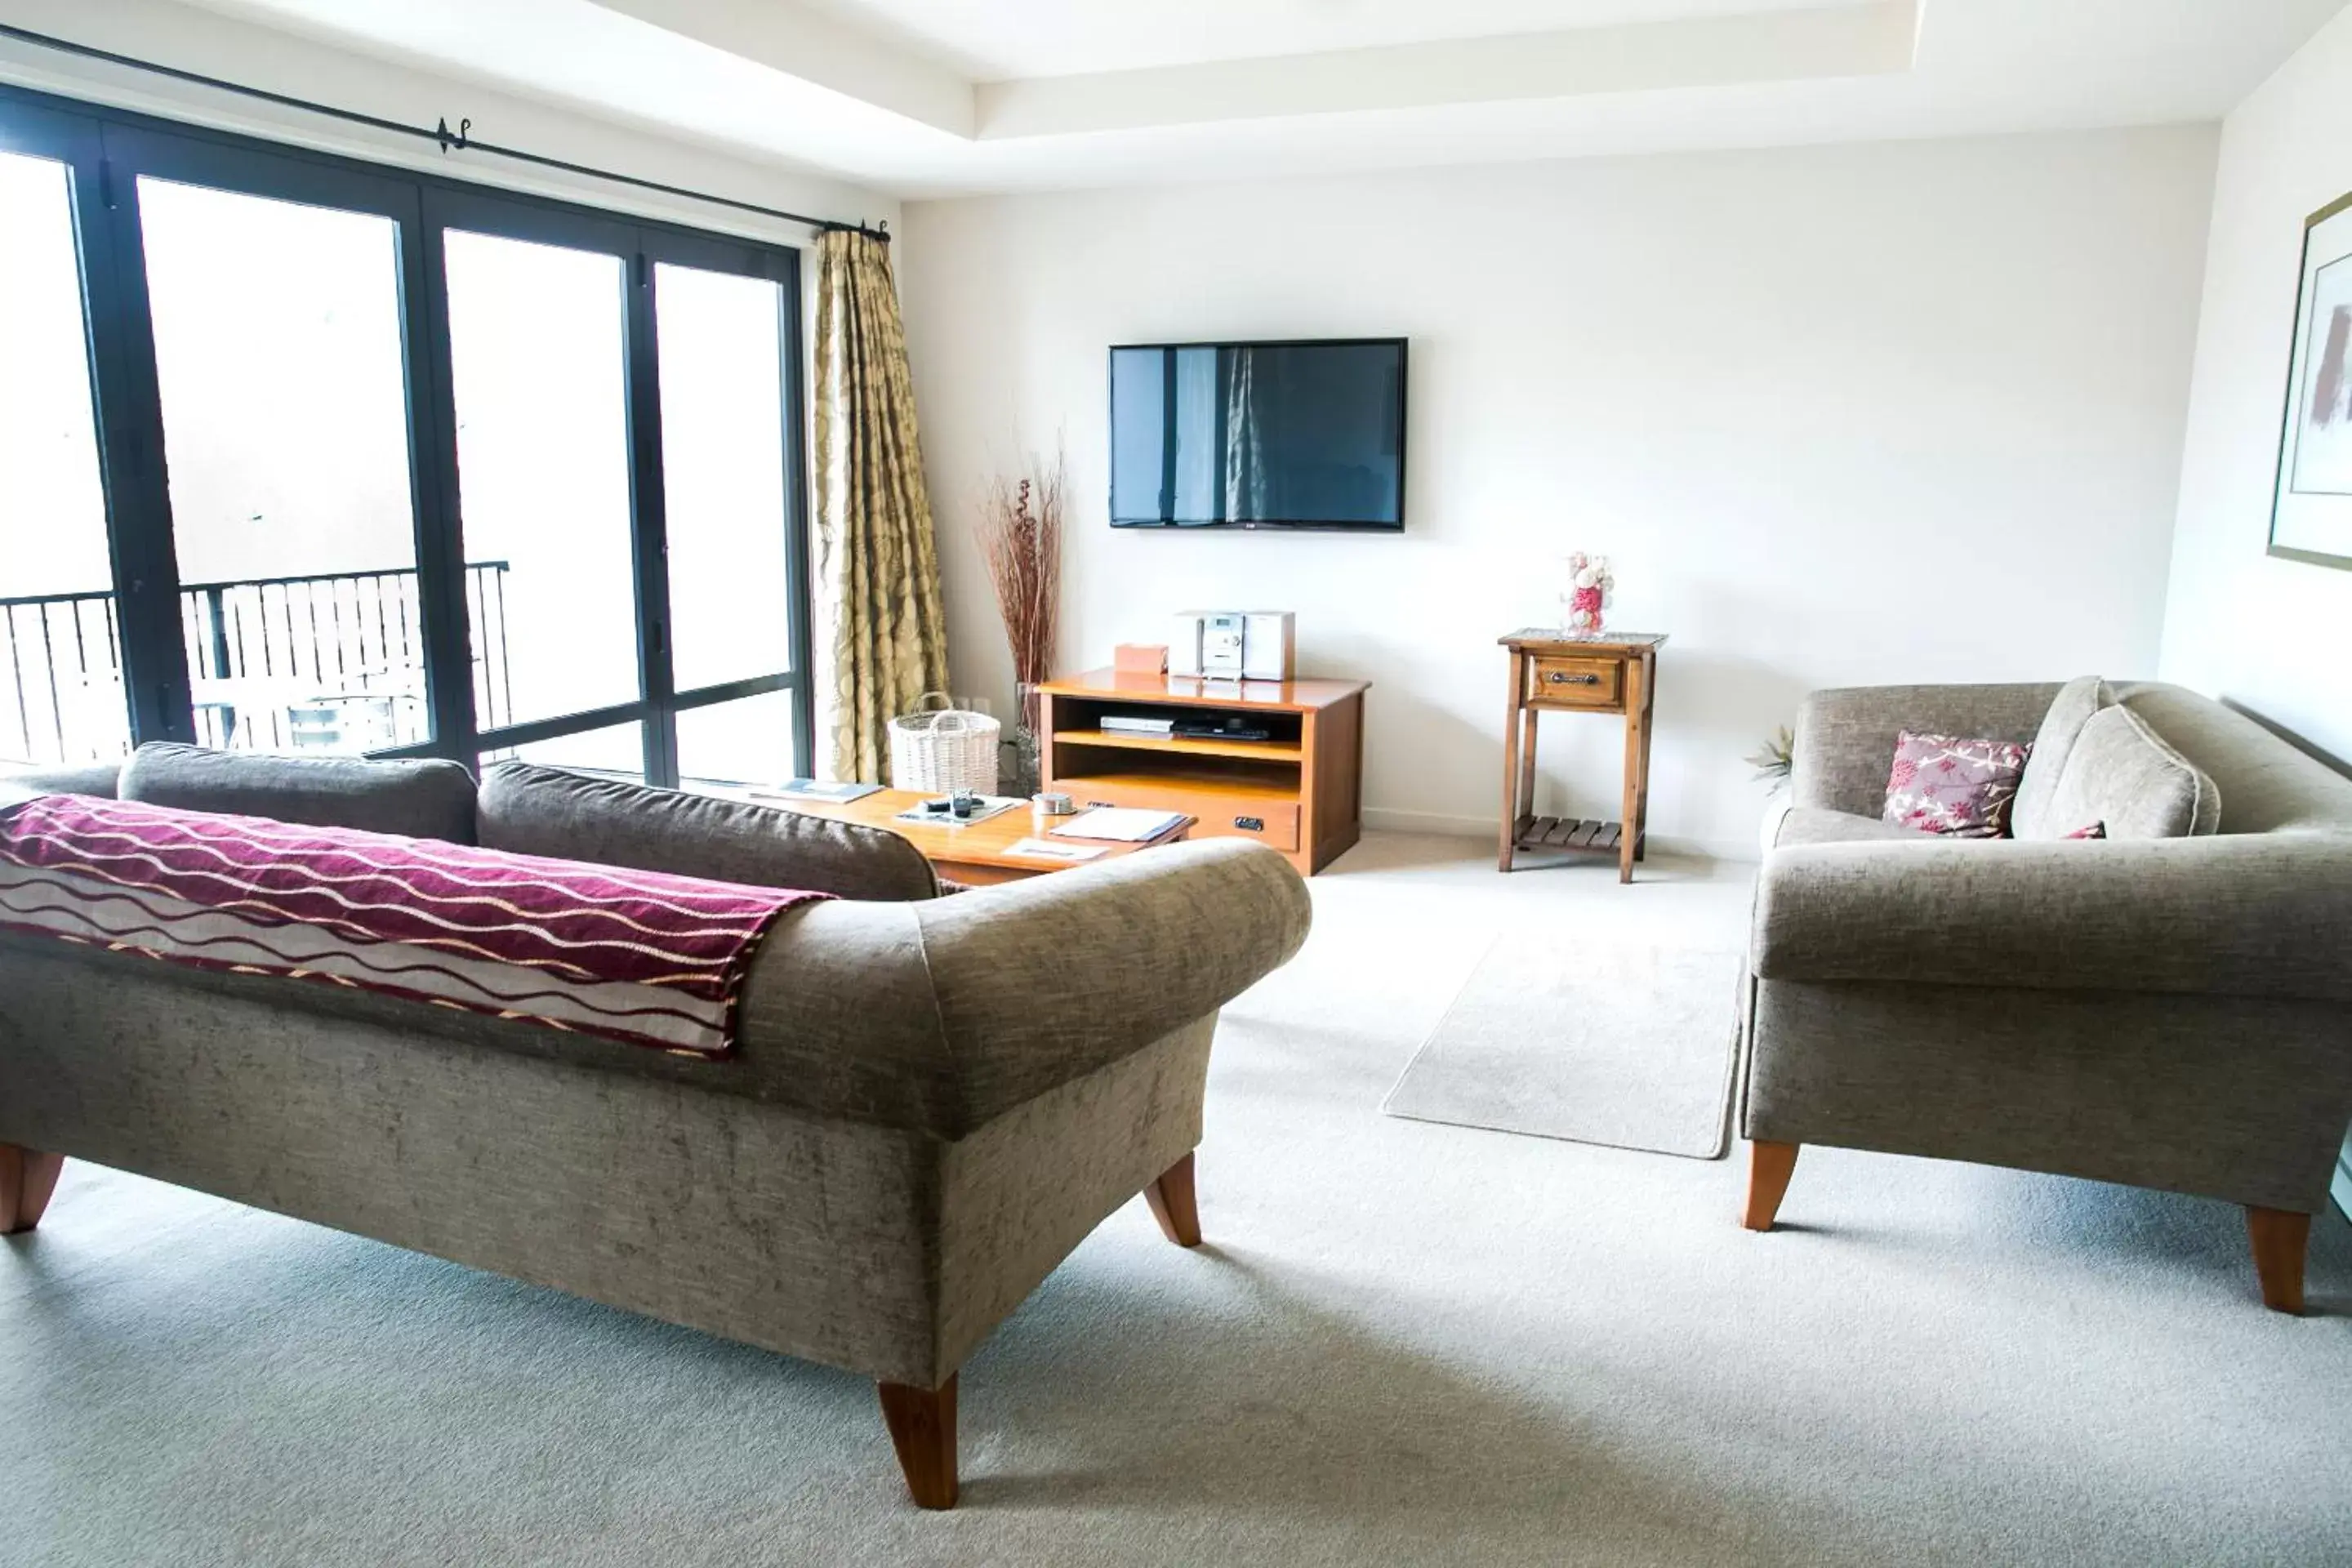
(976, 856)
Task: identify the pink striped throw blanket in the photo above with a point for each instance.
(628, 955)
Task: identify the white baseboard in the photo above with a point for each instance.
(1381, 819)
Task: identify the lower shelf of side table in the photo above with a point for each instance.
(1568, 833)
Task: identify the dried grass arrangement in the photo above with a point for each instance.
(1019, 532)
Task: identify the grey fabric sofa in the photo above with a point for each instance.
(933, 1099)
(2171, 1013)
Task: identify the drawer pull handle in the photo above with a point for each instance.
(1559, 678)
(1250, 824)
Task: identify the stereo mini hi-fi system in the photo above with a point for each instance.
(1233, 645)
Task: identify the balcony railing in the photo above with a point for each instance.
(331, 662)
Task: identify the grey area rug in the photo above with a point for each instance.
(1631, 1046)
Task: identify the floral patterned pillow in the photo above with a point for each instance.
(1962, 788)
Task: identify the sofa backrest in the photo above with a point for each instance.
(416, 799)
(2266, 785)
(529, 810)
(612, 822)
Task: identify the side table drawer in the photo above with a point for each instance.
(1572, 682)
(1273, 822)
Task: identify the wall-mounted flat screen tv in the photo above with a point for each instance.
(1258, 434)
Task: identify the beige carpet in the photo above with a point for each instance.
(1407, 1343)
(1586, 1039)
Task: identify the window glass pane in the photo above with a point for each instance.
(536, 336)
(747, 741)
(723, 471)
(617, 753)
(62, 691)
(279, 358)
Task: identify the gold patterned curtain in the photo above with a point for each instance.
(876, 552)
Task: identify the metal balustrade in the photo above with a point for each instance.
(333, 661)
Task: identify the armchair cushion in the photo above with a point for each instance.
(1818, 825)
(2123, 774)
(2077, 702)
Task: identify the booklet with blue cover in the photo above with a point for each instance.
(817, 789)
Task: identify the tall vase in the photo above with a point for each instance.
(1586, 612)
(1021, 764)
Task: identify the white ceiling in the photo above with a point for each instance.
(1000, 40)
(924, 98)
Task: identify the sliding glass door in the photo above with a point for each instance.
(627, 442)
(347, 460)
(723, 338)
(538, 354)
(280, 366)
(62, 691)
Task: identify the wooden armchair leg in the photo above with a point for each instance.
(2281, 1238)
(28, 1177)
(922, 1423)
(1173, 1205)
(1770, 1166)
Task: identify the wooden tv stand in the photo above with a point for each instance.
(1300, 791)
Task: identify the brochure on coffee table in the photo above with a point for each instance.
(1046, 849)
(1126, 825)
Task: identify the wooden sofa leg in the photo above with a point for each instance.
(2281, 1238)
(1770, 1166)
(922, 1423)
(1173, 1205)
(28, 1177)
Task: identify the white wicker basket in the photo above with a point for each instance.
(944, 748)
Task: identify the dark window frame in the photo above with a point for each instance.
(106, 150)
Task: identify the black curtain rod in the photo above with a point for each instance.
(459, 138)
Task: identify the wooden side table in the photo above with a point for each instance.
(1552, 672)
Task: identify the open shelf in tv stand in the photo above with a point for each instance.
(1300, 791)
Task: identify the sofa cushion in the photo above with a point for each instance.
(2269, 782)
(1818, 824)
(2077, 701)
(575, 816)
(1953, 785)
(416, 799)
(2122, 773)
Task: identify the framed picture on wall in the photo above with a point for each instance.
(2310, 509)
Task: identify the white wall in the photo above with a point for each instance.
(2271, 635)
(1897, 412)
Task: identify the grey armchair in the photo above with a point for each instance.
(2168, 1013)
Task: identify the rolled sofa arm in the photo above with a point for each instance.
(1845, 737)
(946, 1014)
(2265, 914)
(1041, 981)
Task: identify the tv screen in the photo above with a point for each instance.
(1267, 435)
